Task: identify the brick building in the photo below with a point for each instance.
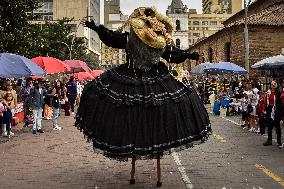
(266, 36)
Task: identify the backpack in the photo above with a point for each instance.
(249, 108)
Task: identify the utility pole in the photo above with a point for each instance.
(246, 38)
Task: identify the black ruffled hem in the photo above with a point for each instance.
(154, 87)
(126, 152)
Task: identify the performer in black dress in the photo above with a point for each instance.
(139, 110)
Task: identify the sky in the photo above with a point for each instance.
(127, 6)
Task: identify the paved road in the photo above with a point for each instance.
(231, 158)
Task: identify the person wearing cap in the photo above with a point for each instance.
(139, 110)
(36, 101)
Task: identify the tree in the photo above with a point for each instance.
(92, 61)
(14, 26)
(56, 38)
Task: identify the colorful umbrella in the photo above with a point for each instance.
(83, 76)
(15, 66)
(51, 65)
(77, 66)
(199, 69)
(225, 68)
(96, 73)
(274, 62)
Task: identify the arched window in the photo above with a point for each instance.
(178, 43)
(178, 25)
(227, 49)
(210, 55)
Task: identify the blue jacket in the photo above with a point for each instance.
(71, 90)
(36, 99)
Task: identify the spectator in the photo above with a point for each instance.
(273, 113)
(71, 92)
(18, 89)
(260, 109)
(57, 95)
(9, 88)
(36, 102)
(2, 109)
(47, 107)
(25, 97)
(9, 105)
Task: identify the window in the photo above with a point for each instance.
(178, 25)
(210, 54)
(189, 22)
(213, 23)
(195, 22)
(204, 22)
(227, 49)
(178, 43)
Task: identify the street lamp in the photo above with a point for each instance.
(69, 48)
(246, 38)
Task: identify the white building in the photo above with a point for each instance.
(179, 15)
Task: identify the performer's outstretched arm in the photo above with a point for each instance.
(173, 54)
(109, 37)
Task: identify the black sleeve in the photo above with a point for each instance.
(173, 54)
(111, 38)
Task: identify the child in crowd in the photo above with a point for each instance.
(9, 105)
(244, 109)
(1, 118)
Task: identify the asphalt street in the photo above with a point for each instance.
(231, 158)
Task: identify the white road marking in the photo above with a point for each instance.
(274, 140)
(182, 171)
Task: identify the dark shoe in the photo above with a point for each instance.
(34, 131)
(40, 131)
(159, 184)
(244, 125)
(132, 181)
(267, 143)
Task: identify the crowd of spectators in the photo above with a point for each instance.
(260, 109)
(38, 99)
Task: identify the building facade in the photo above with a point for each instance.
(266, 37)
(179, 15)
(201, 26)
(215, 13)
(57, 9)
(221, 6)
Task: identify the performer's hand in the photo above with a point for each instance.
(193, 56)
(89, 24)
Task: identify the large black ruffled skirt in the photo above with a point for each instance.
(127, 112)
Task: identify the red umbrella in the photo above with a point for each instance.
(78, 66)
(96, 73)
(51, 65)
(83, 76)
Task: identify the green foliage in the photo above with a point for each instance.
(92, 61)
(18, 35)
(14, 27)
